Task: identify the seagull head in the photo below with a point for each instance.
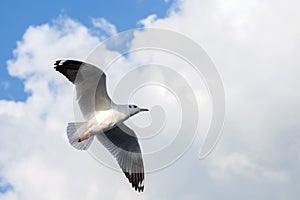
(133, 109)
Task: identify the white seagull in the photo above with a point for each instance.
(104, 119)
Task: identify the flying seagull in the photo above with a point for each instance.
(104, 119)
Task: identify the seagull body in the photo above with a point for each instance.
(104, 119)
(107, 119)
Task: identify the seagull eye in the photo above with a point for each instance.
(134, 106)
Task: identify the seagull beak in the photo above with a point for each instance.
(143, 109)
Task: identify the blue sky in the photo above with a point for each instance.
(17, 16)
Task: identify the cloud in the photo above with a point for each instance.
(238, 164)
(105, 25)
(62, 32)
(9, 195)
(104, 28)
(254, 49)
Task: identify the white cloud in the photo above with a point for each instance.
(9, 195)
(60, 37)
(237, 164)
(148, 20)
(254, 49)
(104, 28)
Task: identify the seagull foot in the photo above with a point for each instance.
(84, 137)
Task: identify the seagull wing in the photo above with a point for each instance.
(90, 84)
(123, 144)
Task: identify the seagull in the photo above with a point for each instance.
(104, 119)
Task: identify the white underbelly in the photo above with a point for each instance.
(105, 120)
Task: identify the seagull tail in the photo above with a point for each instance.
(74, 131)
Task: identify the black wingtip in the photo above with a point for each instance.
(136, 180)
(139, 188)
(69, 68)
(56, 64)
(72, 63)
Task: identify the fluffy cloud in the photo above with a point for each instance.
(253, 45)
(108, 28)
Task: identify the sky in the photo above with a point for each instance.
(123, 14)
(254, 46)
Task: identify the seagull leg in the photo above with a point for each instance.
(84, 137)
